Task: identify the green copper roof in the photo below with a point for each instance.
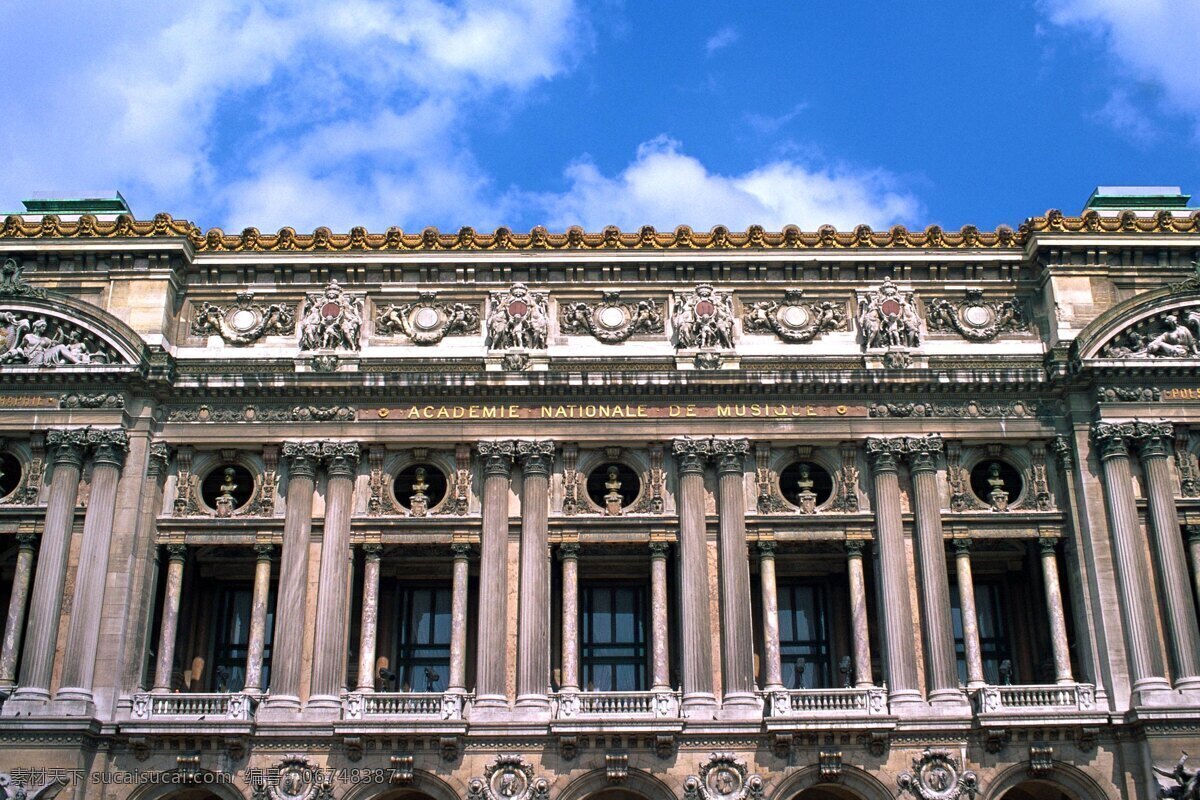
(1138, 197)
(106, 202)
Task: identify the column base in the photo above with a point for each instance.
(740, 705)
(531, 708)
(1152, 692)
(490, 708)
(26, 704)
(949, 698)
(905, 698)
(278, 707)
(323, 702)
(699, 705)
(73, 694)
(1188, 683)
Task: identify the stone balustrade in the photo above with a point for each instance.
(1035, 698)
(622, 705)
(209, 706)
(868, 701)
(406, 705)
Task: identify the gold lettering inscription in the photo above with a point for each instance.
(611, 411)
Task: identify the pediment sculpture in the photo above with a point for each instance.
(976, 319)
(611, 320)
(794, 320)
(332, 320)
(888, 319)
(518, 319)
(426, 321)
(1170, 334)
(243, 322)
(703, 319)
(39, 340)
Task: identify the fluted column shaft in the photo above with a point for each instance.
(83, 633)
(1193, 532)
(533, 605)
(737, 630)
(695, 619)
(1054, 609)
(1143, 642)
(458, 618)
(970, 616)
(169, 628)
(260, 599)
(369, 625)
(568, 553)
(1155, 444)
(858, 613)
(337, 562)
(18, 602)
(899, 654)
(772, 663)
(491, 650)
(659, 632)
(288, 643)
(37, 665)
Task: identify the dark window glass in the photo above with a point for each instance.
(804, 636)
(423, 657)
(232, 642)
(993, 631)
(613, 646)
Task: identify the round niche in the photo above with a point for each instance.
(227, 481)
(422, 485)
(996, 483)
(613, 486)
(805, 484)
(10, 474)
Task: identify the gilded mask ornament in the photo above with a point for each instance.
(517, 319)
(936, 776)
(41, 341)
(427, 321)
(1172, 334)
(703, 320)
(243, 322)
(794, 321)
(976, 319)
(888, 319)
(332, 320)
(611, 321)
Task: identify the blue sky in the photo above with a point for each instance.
(235, 113)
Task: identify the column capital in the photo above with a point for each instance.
(922, 451)
(661, 549)
(962, 547)
(568, 550)
(109, 446)
(1154, 439)
(67, 445)
(536, 457)
(26, 541)
(160, 457)
(1193, 532)
(498, 456)
(1112, 439)
(341, 458)
(372, 550)
(856, 548)
(262, 552)
(766, 549)
(302, 458)
(177, 552)
(461, 549)
(884, 453)
(691, 454)
(1060, 445)
(730, 455)
(1048, 545)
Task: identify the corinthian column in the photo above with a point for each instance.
(302, 459)
(696, 624)
(333, 597)
(169, 628)
(1193, 534)
(258, 618)
(659, 637)
(858, 613)
(772, 664)
(1156, 441)
(458, 619)
(491, 651)
(970, 616)
(17, 603)
(737, 632)
(66, 448)
(533, 605)
(1054, 607)
(568, 552)
(83, 633)
(1137, 604)
(369, 627)
(899, 654)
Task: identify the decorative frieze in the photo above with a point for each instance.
(38, 340)
(703, 319)
(98, 400)
(426, 321)
(612, 320)
(976, 319)
(517, 319)
(243, 322)
(1170, 334)
(332, 320)
(261, 413)
(968, 409)
(888, 320)
(793, 320)
(936, 776)
(1128, 394)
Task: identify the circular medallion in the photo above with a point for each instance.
(243, 319)
(890, 307)
(705, 308)
(977, 316)
(330, 309)
(724, 782)
(509, 783)
(518, 308)
(794, 316)
(612, 317)
(426, 318)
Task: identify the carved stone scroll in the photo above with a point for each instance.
(243, 322)
(426, 321)
(792, 320)
(611, 321)
(976, 319)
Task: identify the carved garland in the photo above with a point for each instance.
(976, 319)
(426, 321)
(611, 321)
(794, 321)
(244, 321)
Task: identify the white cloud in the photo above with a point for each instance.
(1155, 41)
(721, 39)
(665, 187)
(768, 125)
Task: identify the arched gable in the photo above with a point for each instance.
(1159, 326)
(56, 331)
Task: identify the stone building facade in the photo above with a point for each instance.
(619, 515)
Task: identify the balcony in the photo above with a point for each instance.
(826, 703)
(408, 706)
(1034, 700)
(637, 706)
(193, 707)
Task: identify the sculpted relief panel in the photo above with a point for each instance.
(976, 319)
(518, 319)
(793, 320)
(426, 321)
(703, 319)
(1171, 334)
(888, 319)
(44, 341)
(612, 320)
(332, 320)
(243, 322)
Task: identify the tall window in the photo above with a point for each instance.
(232, 639)
(804, 635)
(423, 655)
(994, 642)
(613, 646)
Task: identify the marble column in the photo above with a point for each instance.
(83, 632)
(533, 603)
(1193, 534)
(368, 629)
(337, 562)
(737, 630)
(900, 657)
(568, 553)
(1054, 609)
(858, 613)
(970, 616)
(491, 651)
(169, 627)
(660, 647)
(695, 620)
(1142, 639)
(18, 602)
(302, 459)
(1155, 445)
(458, 618)
(772, 665)
(260, 600)
(67, 448)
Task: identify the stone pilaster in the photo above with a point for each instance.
(1143, 643)
(337, 560)
(858, 613)
(970, 616)
(169, 627)
(533, 605)
(737, 631)
(568, 553)
(772, 664)
(14, 624)
(695, 660)
(491, 650)
(258, 618)
(659, 630)
(458, 618)
(899, 654)
(1054, 609)
(369, 626)
(1155, 445)
(109, 448)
